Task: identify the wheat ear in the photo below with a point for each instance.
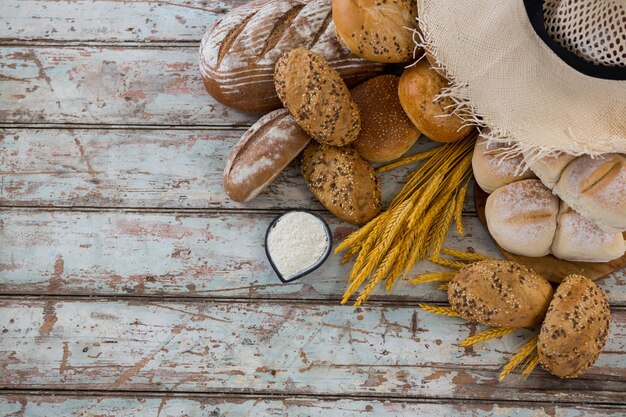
(442, 311)
(493, 333)
(519, 357)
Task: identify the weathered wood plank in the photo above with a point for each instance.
(265, 348)
(213, 255)
(30, 405)
(143, 168)
(110, 20)
(108, 86)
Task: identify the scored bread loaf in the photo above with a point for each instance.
(549, 168)
(492, 170)
(342, 181)
(262, 153)
(239, 52)
(380, 31)
(386, 131)
(317, 97)
(596, 188)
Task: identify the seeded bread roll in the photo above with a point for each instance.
(262, 153)
(419, 85)
(550, 168)
(500, 293)
(386, 132)
(579, 239)
(238, 54)
(575, 329)
(342, 181)
(596, 188)
(317, 97)
(492, 170)
(521, 217)
(377, 30)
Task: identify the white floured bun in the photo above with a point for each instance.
(521, 217)
(493, 170)
(579, 239)
(596, 188)
(549, 168)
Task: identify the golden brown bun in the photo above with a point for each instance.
(239, 52)
(262, 153)
(386, 132)
(500, 293)
(342, 181)
(521, 217)
(575, 329)
(377, 30)
(317, 97)
(492, 170)
(596, 188)
(419, 85)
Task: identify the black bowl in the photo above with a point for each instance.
(314, 266)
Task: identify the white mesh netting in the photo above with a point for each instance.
(593, 30)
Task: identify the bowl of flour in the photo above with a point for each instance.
(297, 243)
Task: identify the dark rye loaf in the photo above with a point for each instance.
(239, 53)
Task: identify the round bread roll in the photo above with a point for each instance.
(386, 132)
(596, 188)
(342, 181)
(500, 293)
(579, 239)
(549, 168)
(521, 217)
(575, 329)
(377, 30)
(317, 97)
(262, 153)
(419, 85)
(492, 170)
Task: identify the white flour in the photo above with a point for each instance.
(296, 242)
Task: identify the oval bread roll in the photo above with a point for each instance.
(521, 217)
(377, 30)
(419, 86)
(342, 181)
(575, 329)
(492, 170)
(579, 239)
(549, 168)
(262, 153)
(596, 188)
(500, 293)
(317, 97)
(386, 132)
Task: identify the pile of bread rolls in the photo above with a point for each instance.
(571, 207)
(304, 56)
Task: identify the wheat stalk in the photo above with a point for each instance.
(519, 357)
(432, 277)
(458, 210)
(531, 364)
(448, 263)
(407, 160)
(493, 333)
(442, 311)
(465, 256)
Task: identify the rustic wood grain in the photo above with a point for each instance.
(110, 20)
(108, 86)
(286, 348)
(29, 405)
(144, 168)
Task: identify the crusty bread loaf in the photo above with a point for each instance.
(342, 181)
(500, 293)
(377, 30)
(549, 168)
(579, 239)
(386, 132)
(492, 170)
(238, 54)
(418, 89)
(596, 188)
(317, 97)
(575, 328)
(521, 217)
(262, 153)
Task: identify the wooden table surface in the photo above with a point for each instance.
(130, 284)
